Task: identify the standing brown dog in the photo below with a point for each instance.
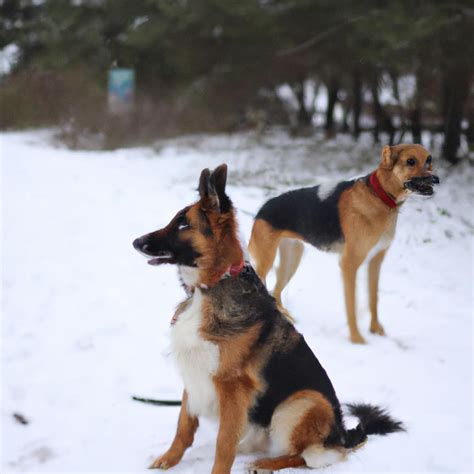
(355, 218)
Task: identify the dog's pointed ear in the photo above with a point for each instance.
(389, 156)
(204, 183)
(219, 178)
(218, 181)
(207, 191)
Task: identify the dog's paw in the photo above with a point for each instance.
(377, 328)
(261, 465)
(255, 469)
(357, 339)
(164, 462)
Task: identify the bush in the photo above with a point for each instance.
(76, 103)
(33, 98)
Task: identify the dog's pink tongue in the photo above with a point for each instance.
(154, 261)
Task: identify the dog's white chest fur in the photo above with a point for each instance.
(384, 241)
(197, 359)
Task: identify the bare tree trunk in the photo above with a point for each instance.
(304, 116)
(357, 102)
(415, 124)
(345, 118)
(377, 112)
(333, 89)
(470, 127)
(401, 110)
(456, 89)
(382, 119)
(390, 128)
(416, 111)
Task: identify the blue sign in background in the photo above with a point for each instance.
(121, 86)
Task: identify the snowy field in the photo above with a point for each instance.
(85, 320)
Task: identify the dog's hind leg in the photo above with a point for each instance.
(374, 274)
(299, 428)
(263, 246)
(280, 462)
(291, 251)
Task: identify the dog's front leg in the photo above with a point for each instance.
(374, 274)
(234, 400)
(350, 263)
(187, 426)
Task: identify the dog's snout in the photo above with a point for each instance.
(137, 244)
(141, 244)
(427, 179)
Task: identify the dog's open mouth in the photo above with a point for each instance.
(422, 185)
(162, 257)
(423, 189)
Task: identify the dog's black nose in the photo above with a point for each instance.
(137, 244)
(434, 179)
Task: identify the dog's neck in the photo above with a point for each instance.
(191, 279)
(390, 186)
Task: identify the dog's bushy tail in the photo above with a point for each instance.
(372, 420)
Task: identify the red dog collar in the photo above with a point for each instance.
(235, 269)
(377, 187)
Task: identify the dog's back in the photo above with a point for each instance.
(311, 213)
(242, 304)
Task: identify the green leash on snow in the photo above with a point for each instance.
(163, 403)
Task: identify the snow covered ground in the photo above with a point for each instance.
(85, 319)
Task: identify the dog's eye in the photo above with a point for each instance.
(184, 226)
(429, 160)
(411, 162)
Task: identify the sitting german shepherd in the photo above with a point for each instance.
(241, 359)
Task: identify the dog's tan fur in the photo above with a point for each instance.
(365, 221)
(215, 258)
(187, 426)
(315, 424)
(281, 462)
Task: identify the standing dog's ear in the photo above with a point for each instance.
(389, 156)
(207, 191)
